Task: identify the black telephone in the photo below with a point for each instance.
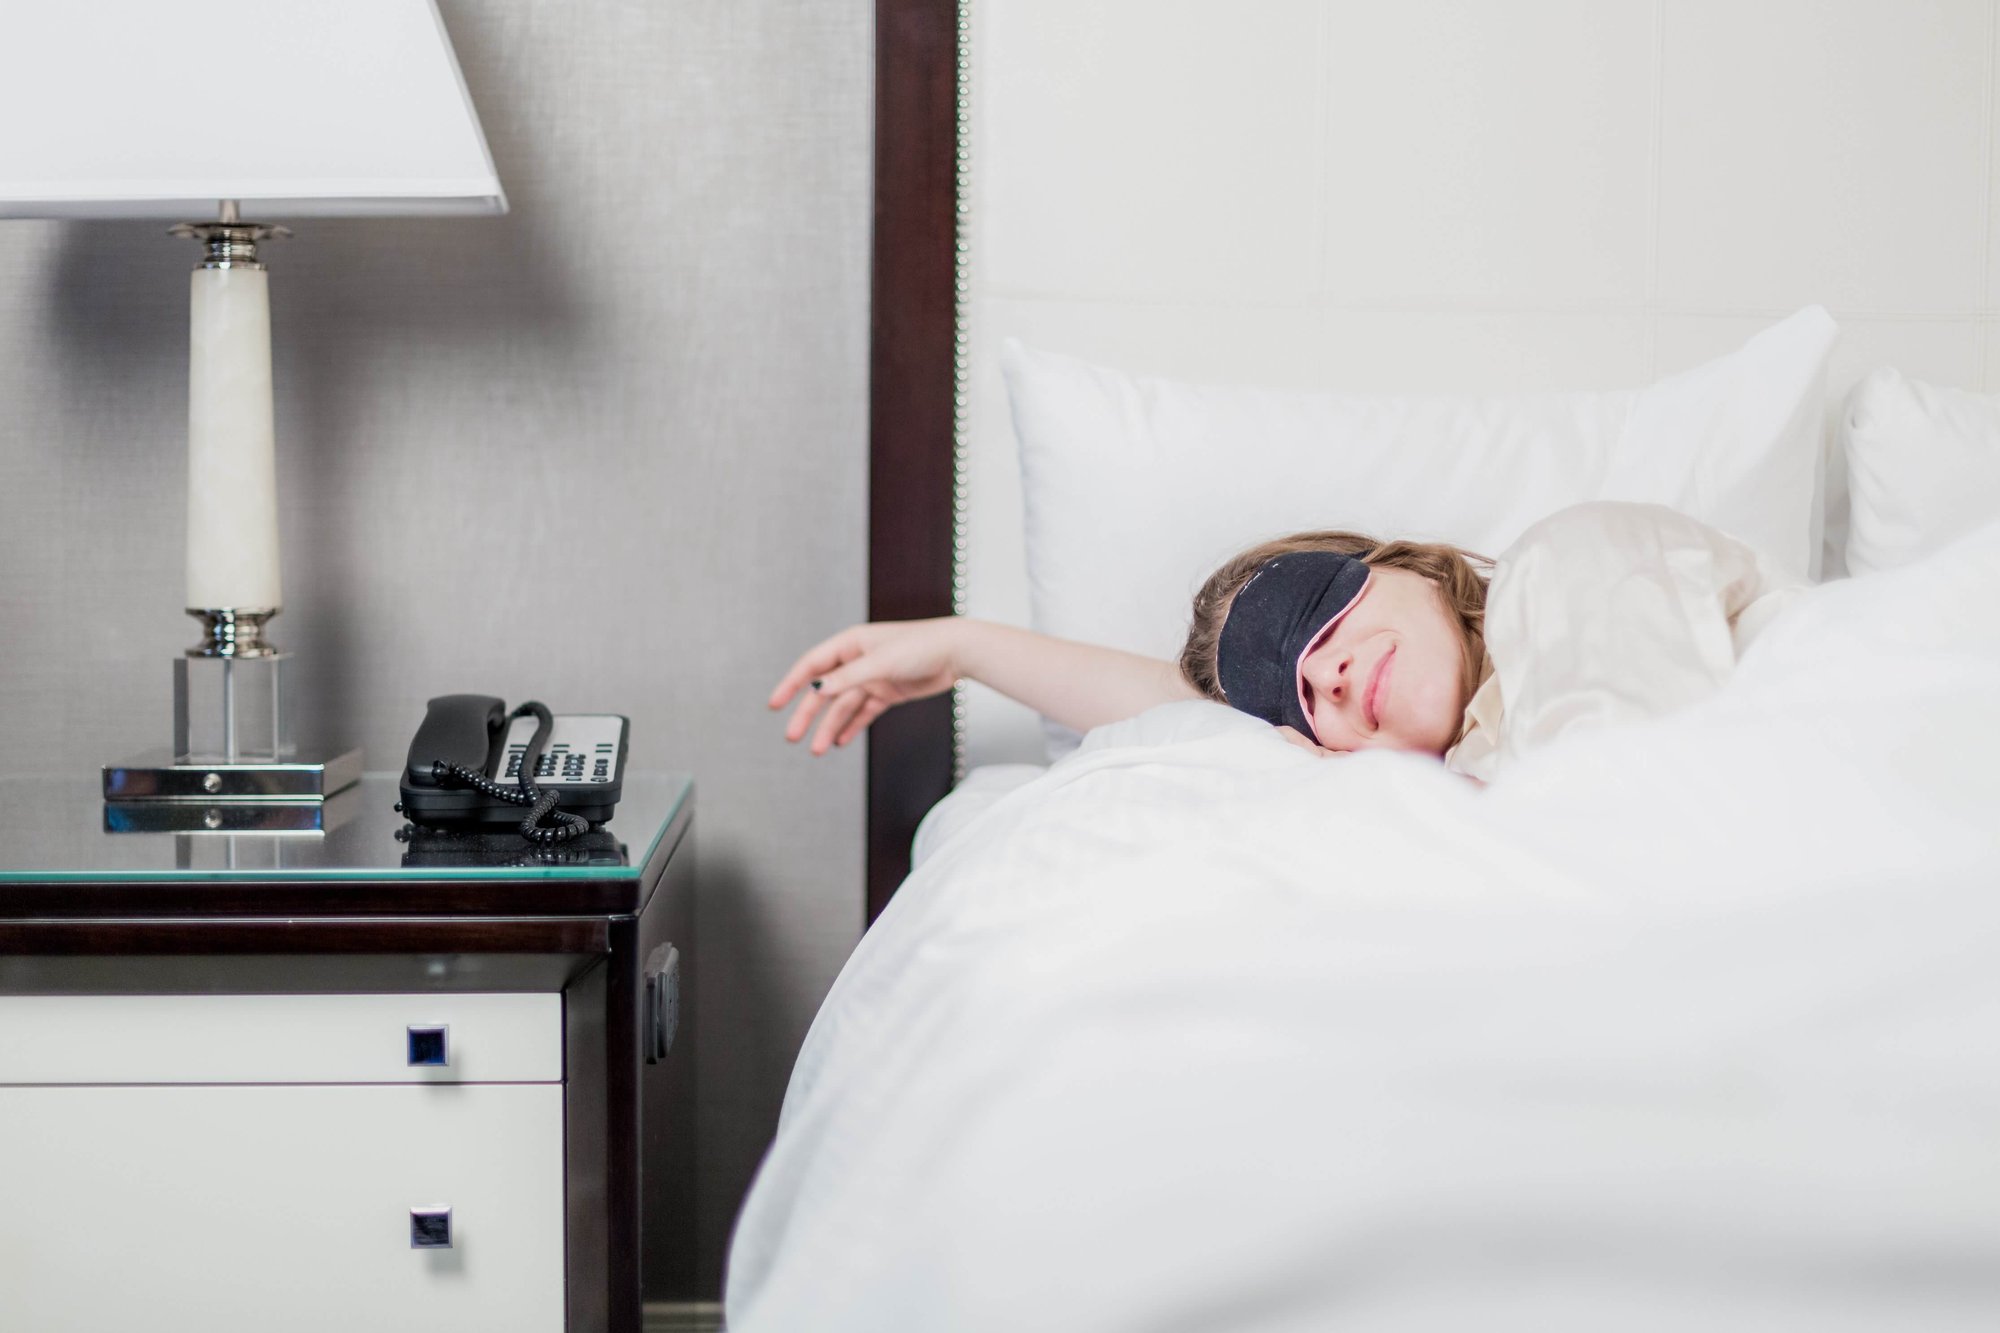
(473, 763)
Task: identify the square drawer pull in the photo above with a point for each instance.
(430, 1044)
(430, 1228)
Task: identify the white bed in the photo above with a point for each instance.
(1681, 1024)
(1684, 1025)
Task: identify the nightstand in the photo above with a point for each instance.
(344, 1080)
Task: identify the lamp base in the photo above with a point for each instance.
(307, 775)
(233, 741)
(248, 818)
(232, 709)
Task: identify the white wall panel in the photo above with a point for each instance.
(1482, 351)
(1497, 153)
(1989, 289)
(1320, 347)
(1149, 149)
(1824, 152)
(1990, 357)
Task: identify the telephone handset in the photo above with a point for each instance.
(474, 763)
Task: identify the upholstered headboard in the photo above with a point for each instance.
(1430, 194)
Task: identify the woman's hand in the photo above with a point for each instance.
(860, 673)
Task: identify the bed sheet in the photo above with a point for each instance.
(1686, 1023)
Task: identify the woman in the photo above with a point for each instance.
(1342, 641)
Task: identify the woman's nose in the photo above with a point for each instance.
(1327, 672)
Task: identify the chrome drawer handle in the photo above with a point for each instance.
(430, 1228)
(430, 1045)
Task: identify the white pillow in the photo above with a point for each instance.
(1923, 468)
(1134, 488)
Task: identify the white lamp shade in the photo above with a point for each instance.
(299, 108)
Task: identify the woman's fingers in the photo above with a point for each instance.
(815, 662)
(842, 684)
(863, 720)
(802, 716)
(842, 716)
(837, 715)
(856, 674)
(850, 686)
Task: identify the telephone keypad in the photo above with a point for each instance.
(581, 751)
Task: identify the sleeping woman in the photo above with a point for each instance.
(1342, 641)
(1601, 612)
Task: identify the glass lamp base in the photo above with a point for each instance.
(232, 709)
(233, 740)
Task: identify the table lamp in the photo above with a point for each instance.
(138, 110)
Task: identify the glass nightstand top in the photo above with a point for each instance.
(65, 830)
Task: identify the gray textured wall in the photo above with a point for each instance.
(609, 450)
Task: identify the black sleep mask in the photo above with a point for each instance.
(1275, 616)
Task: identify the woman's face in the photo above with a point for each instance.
(1391, 671)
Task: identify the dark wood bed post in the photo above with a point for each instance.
(910, 400)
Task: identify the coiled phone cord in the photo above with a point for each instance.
(542, 803)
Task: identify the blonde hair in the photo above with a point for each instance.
(1460, 576)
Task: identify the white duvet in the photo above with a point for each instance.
(1683, 1023)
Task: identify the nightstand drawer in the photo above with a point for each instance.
(237, 1208)
(430, 1038)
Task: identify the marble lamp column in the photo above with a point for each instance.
(232, 550)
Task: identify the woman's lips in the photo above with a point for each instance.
(1378, 690)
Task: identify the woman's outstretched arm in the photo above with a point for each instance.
(855, 676)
